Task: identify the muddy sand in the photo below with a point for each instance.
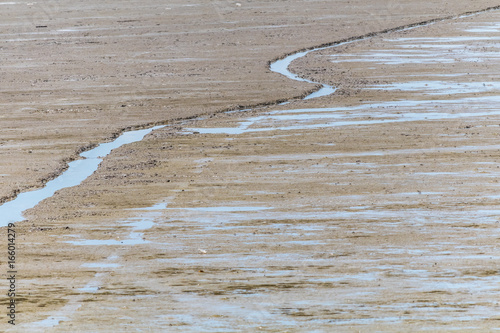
(371, 209)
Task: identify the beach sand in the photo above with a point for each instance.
(295, 224)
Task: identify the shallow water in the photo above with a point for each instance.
(77, 172)
(138, 225)
(408, 270)
(309, 119)
(81, 169)
(302, 220)
(281, 67)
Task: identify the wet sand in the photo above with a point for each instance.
(370, 209)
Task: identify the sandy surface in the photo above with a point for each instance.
(353, 219)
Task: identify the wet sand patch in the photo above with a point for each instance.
(365, 226)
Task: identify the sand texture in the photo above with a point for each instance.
(369, 210)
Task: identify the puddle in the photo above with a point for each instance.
(299, 220)
(159, 206)
(89, 289)
(143, 222)
(77, 172)
(107, 242)
(255, 259)
(367, 114)
(442, 87)
(394, 59)
(50, 322)
(55, 320)
(491, 27)
(370, 276)
(100, 265)
(221, 311)
(224, 209)
(94, 285)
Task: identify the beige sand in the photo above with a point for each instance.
(330, 233)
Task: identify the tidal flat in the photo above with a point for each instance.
(370, 208)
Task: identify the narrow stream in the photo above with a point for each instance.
(287, 120)
(281, 67)
(80, 170)
(76, 173)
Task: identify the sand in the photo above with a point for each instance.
(378, 224)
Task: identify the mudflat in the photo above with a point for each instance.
(373, 208)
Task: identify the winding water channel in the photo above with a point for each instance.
(81, 169)
(283, 270)
(77, 172)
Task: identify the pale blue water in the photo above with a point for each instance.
(77, 172)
